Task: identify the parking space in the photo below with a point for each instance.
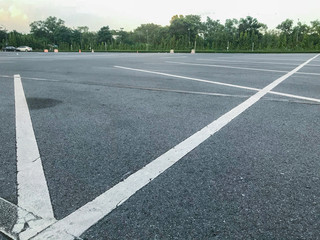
(304, 85)
(312, 69)
(92, 137)
(8, 176)
(257, 178)
(250, 78)
(169, 146)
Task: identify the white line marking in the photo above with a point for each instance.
(191, 92)
(313, 65)
(235, 61)
(241, 68)
(204, 93)
(79, 221)
(33, 78)
(172, 90)
(173, 57)
(219, 83)
(41, 79)
(306, 73)
(33, 194)
(6, 76)
(269, 59)
(188, 78)
(24, 226)
(295, 96)
(231, 67)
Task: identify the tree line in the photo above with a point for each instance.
(184, 33)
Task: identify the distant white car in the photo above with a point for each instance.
(24, 49)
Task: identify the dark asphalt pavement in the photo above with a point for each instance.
(257, 178)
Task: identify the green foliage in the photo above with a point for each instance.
(214, 35)
(184, 33)
(3, 38)
(47, 30)
(185, 30)
(104, 35)
(286, 27)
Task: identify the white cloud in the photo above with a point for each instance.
(17, 13)
(12, 16)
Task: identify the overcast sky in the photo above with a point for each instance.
(129, 14)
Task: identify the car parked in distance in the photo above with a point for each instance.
(9, 49)
(24, 49)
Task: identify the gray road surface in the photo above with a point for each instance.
(96, 124)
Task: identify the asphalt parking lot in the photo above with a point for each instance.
(159, 146)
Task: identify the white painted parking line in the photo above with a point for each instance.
(6, 76)
(33, 194)
(279, 59)
(32, 78)
(241, 68)
(306, 73)
(219, 83)
(188, 78)
(24, 227)
(182, 91)
(173, 57)
(295, 96)
(230, 67)
(79, 221)
(313, 65)
(254, 62)
(239, 61)
(41, 79)
(191, 92)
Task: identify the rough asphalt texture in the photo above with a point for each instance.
(257, 178)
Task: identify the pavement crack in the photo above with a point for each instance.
(120, 202)
(25, 227)
(38, 158)
(74, 237)
(124, 176)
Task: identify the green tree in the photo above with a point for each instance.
(104, 35)
(315, 34)
(286, 27)
(125, 38)
(185, 28)
(250, 32)
(49, 32)
(148, 34)
(3, 38)
(230, 29)
(286, 31)
(38, 29)
(250, 25)
(63, 34)
(86, 39)
(301, 32)
(315, 27)
(214, 33)
(183, 33)
(47, 29)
